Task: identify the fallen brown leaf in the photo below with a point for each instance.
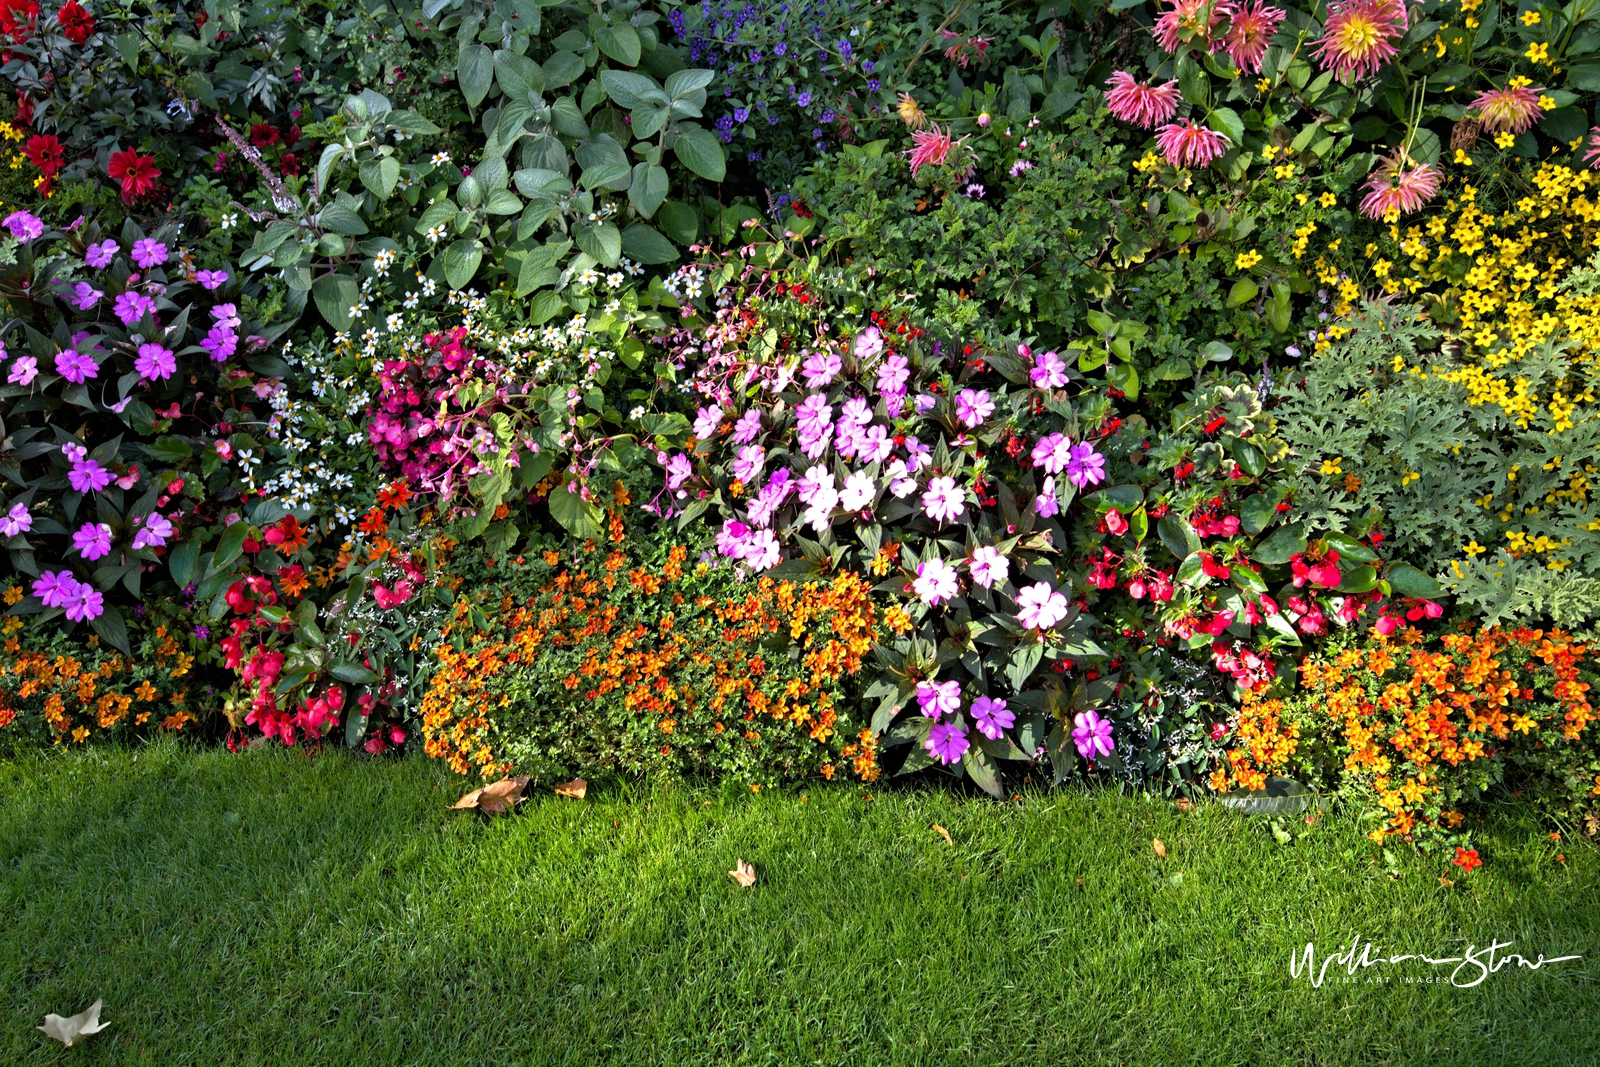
(943, 833)
(744, 874)
(1160, 847)
(576, 789)
(72, 1030)
(1184, 803)
(496, 797)
(1445, 881)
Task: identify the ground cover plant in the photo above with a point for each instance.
(1037, 395)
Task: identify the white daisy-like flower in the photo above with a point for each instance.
(229, 220)
(440, 159)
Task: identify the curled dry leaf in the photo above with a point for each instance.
(1160, 847)
(576, 789)
(72, 1030)
(1184, 803)
(943, 833)
(495, 798)
(743, 873)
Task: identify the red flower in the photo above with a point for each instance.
(289, 165)
(17, 18)
(137, 173)
(24, 109)
(76, 23)
(44, 152)
(263, 135)
(1467, 858)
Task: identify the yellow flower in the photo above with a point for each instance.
(1539, 52)
(1286, 170)
(1263, 85)
(1327, 200)
(1268, 152)
(1472, 548)
(1408, 477)
(1246, 260)
(1333, 466)
(1463, 159)
(1530, 18)
(1505, 139)
(1150, 161)
(1546, 103)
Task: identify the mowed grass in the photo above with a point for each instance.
(270, 908)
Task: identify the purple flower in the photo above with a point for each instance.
(925, 403)
(869, 343)
(211, 279)
(99, 256)
(24, 226)
(86, 603)
(76, 366)
(93, 540)
(1092, 735)
(1049, 371)
(1046, 503)
(939, 698)
(23, 370)
(55, 588)
(973, 406)
(87, 476)
(748, 428)
(220, 342)
(16, 521)
(733, 538)
(820, 368)
(993, 717)
(155, 362)
(706, 421)
(149, 253)
(935, 582)
(947, 741)
(893, 374)
(86, 296)
(227, 315)
(1086, 466)
(804, 100)
(154, 533)
(943, 500)
(1039, 607)
(679, 469)
(814, 415)
(131, 307)
(1052, 452)
(747, 468)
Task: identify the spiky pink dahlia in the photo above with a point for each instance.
(1140, 103)
(1188, 20)
(1512, 109)
(1250, 30)
(1186, 144)
(929, 146)
(1400, 186)
(1592, 157)
(1358, 36)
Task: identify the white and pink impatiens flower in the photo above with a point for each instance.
(1039, 607)
(988, 567)
(935, 582)
(943, 500)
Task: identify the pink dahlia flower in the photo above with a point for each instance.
(1250, 30)
(1592, 156)
(1188, 20)
(930, 146)
(1398, 188)
(1358, 36)
(1512, 109)
(1187, 144)
(1140, 103)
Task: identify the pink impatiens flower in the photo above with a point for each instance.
(155, 361)
(939, 698)
(947, 741)
(1185, 143)
(935, 582)
(1049, 371)
(1051, 452)
(1092, 735)
(988, 567)
(706, 421)
(1140, 103)
(1039, 607)
(1086, 466)
(992, 717)
(820, 368)
(973, 406)
(943, 500)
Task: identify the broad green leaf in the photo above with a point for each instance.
(685, 82)
(517, 75)
(645, 244)
(649, 188)
(602, 241)
(337, 218)
(580, 518)
(1349, 548)
(1406, 580)
(560, 67)
(381, 176)
(1179, 537)
(1282, 796)
(620, 42)
(335, 295)
(475, 70)
(1282, 543)
(112, 629)
(700, 151)
(461, 261)
(503, 202)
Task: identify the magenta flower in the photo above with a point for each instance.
(988, 567)
(93, 540)
(1086, 466)
(947, 741)
(154, 533)
(155, 361)
(211, 279)
(76, 366)
(1512, 109)
(99, 256)
(1358, 36)
(875, 444)
(24, 369)
(149, 253)
(1092, 735)
(706, 421)
(820, 368)
(130, 307)
(943, 500)
(747, 468)
(1049, 371)
(24, 225)
(86, 603)
(1188, 20)
(1396, 188)
(1046, 503)
(1039, 607)
(748, 427)
(814, 415)
(1250, 30)
(893, 375)
(939, 698)
(85, 296)
(679, 470)
(973, 406)
(733, 538)
(16, 521)
(935, 582)
(1141, 103)
(761, 552)
(55, 588)
(1186, 144)
(1051, 452)
(220, 342)
(87, 476)
(868, 343)
(226, 315)
(993, 717)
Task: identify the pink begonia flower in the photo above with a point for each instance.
(939, 698)
(1039, 607)
(992, 717)
(1049, 372)
(973, 406)
(706, 421)
(947, 741)
(943, 500)
(935, 582)
(1051, 452)
(130, 307)
(901, 482)
(1092, 735)
(85, 296)
(988, 567)
(24, 226)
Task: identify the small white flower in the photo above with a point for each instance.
(412, 300)
(440, 159)
(229, 220)
(394, 322)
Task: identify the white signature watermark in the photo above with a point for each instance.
(1472, 967)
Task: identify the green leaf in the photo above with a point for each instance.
(981, 769)
(381, 176)
(517, 75)
(680, 222)
(353, 673)
(700, 151)
(1280, 545)
(1256, 512)
(645, 244)
(580, 518)
(461, 261)
(337, 218)
(560, 67)
(1349, 548)
(1249, 458)
(1359, 580)
(602, 241)
(1125, 377)
(503, 202)
(620, 42)
(683, 83)
(613, 176)
(1227, 122)
(112, 629)
(1282, 796)
(1406, 580)
(128, 48)
(1179, 537)
(185, 558)
(649, 188)
(229, 547)
(627, 88)
(1024, 659)
(475, 70)
(1244, 290)
(335, 295)
(411, 122)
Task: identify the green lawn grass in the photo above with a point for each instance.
(270, 908)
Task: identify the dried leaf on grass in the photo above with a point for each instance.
(576, 789)
(943, 833)
(1160, 847)
(495, 798)
(72, 1030)
(744, 874)
(1184, 803)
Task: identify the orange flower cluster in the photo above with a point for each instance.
(651, 642)
(1404, 720)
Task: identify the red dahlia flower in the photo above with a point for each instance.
(44, 152)
(137, 173)
(18, 18)
(76, 23)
